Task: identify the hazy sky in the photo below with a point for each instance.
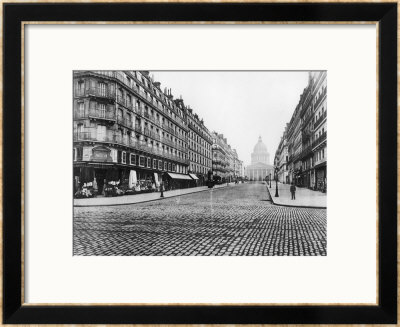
(240, 105)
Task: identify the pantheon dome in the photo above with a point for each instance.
(260, 153)
(260, 167)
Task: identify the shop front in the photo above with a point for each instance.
(197, 181)
(173, 181)
(321, 178)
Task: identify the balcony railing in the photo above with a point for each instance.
(121, 100)
(168, 142)
(153, 119)
(155, 136)
(320, 139)
(124, 122)
(317, 102)
(146, 131)
(94, 91)
(95, 113)
(93, 136)
(319, 120)
(85, 136)
(138, 129)
(138, 110)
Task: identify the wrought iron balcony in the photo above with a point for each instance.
(124, 122)
(121, 100)
(94, 91)
(108, 115)
(138, 128)
(318, 101)
(319, 120)
(320, 139)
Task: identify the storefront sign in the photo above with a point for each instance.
(101, 154)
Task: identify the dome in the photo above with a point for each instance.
(260, 147)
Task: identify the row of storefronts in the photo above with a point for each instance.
(315, 178)
(98, 166)
(98, 177)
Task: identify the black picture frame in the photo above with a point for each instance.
(14, 312)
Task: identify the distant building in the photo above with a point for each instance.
(237, 165)
(260, 167)
(282, 158)
(225, 162)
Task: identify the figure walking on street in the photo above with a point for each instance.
(293, 191)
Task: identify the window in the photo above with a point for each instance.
(80, 130)
(169, 166)
(132, 159)
(154, 164)
(123, 157)
(75, 154)
(159, 164)
(148, 163)
(101, 132)
(173, 167)
(81, 87)
(141, 161)
(102, 110)
(81, 109)
(120, 115)
(102, 89)
(165, 166)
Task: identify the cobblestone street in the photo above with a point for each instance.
(238, 220)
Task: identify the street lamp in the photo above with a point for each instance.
(270, 179)
(276, 182)
(162, 186)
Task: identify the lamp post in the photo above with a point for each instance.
(162, 186)
(276, 182)
(269, 180)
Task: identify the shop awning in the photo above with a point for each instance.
(179, 176)
(193, 176)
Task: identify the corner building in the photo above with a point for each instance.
(127, 131)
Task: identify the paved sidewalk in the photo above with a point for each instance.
(304, 197)
(139, 198)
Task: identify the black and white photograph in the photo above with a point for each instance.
(199, 163)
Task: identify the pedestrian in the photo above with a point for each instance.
(293, 191)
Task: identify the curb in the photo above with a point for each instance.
(145, 201)
(290, 205)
